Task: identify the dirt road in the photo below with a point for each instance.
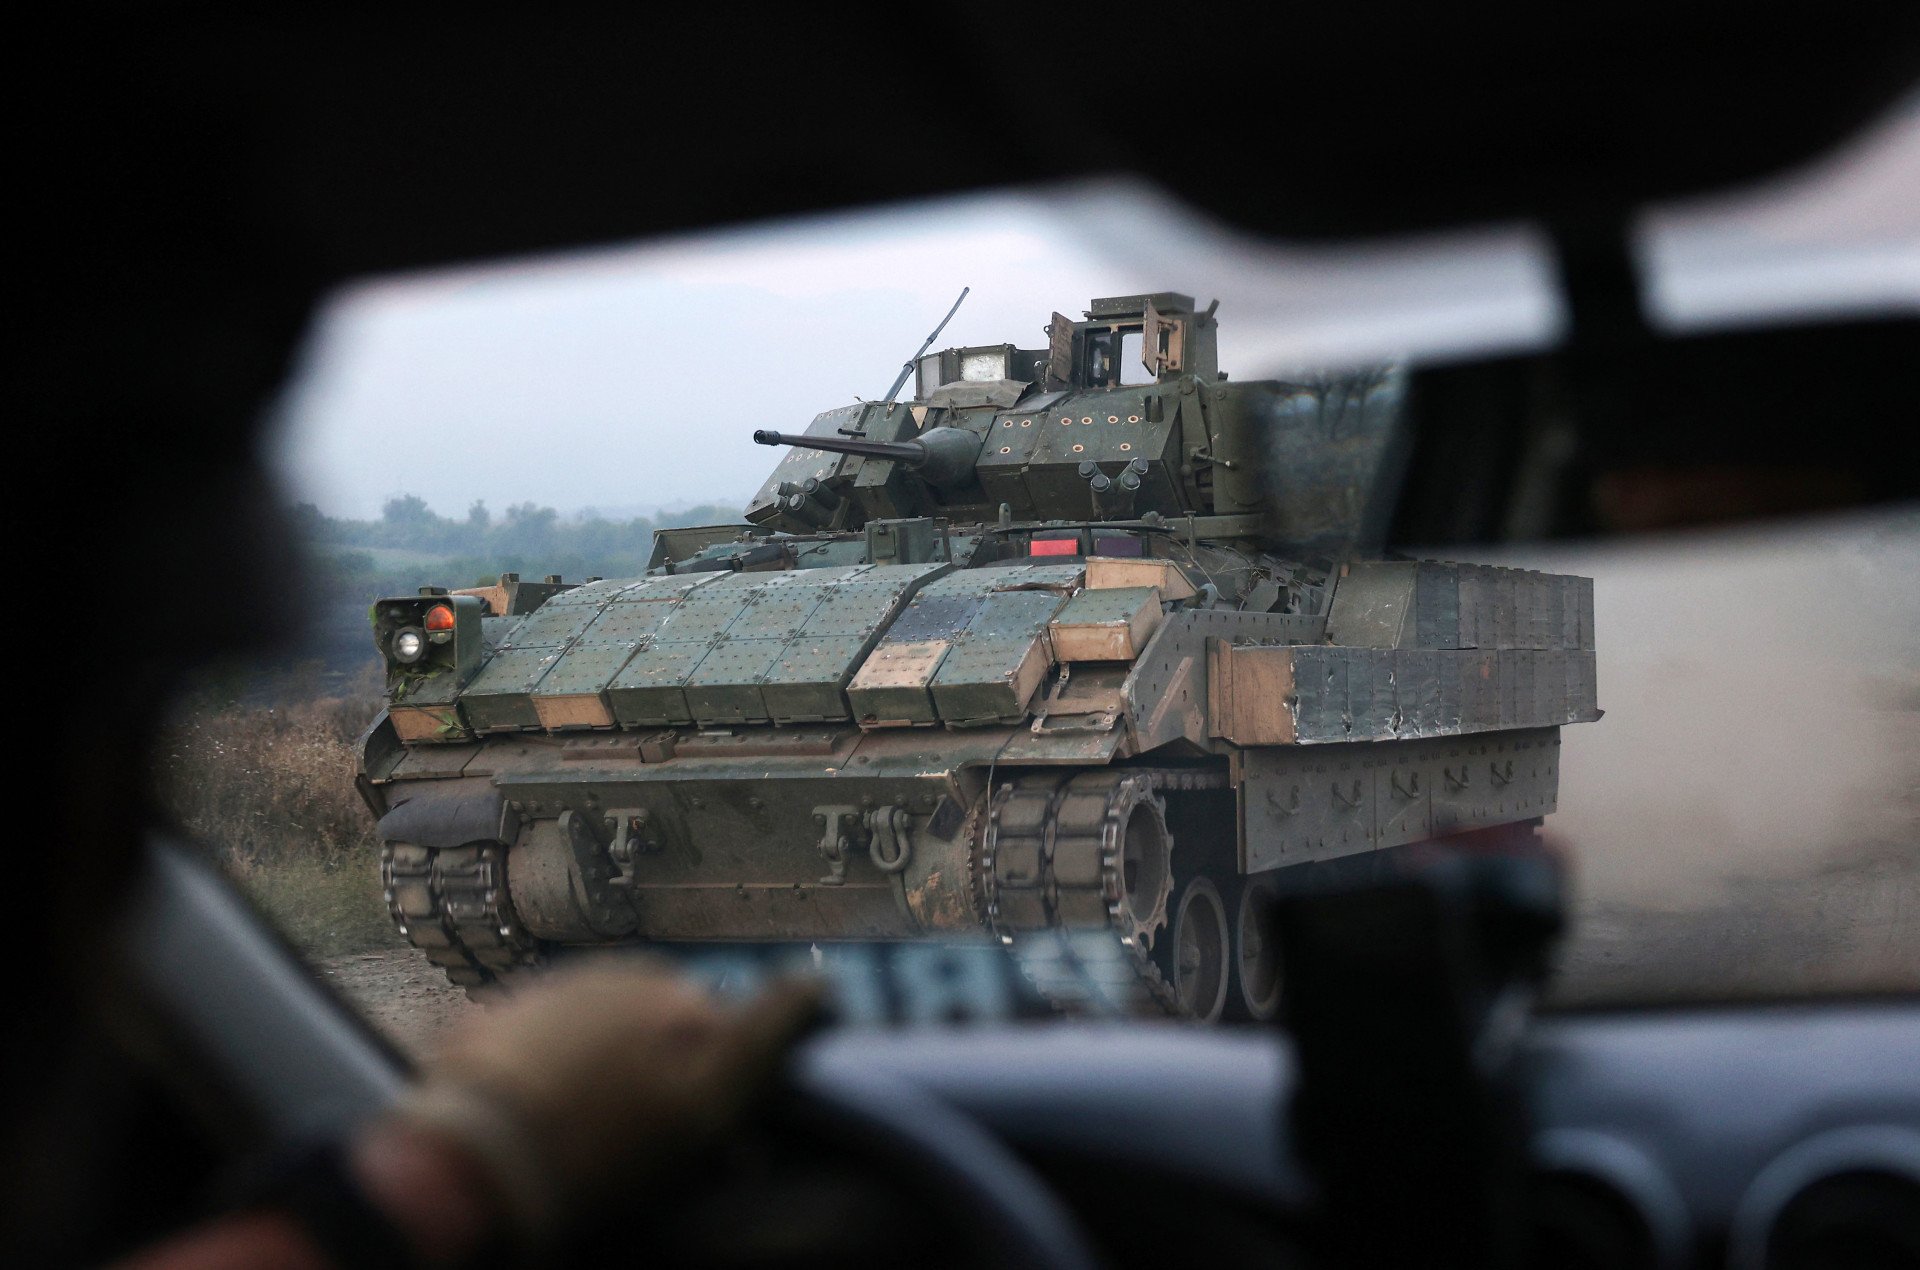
(401, 993)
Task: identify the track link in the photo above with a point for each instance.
(451, 903)
(1052, 878)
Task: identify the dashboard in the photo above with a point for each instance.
(1778, 1135)
(1742, 1136)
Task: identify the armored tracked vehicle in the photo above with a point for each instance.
(1076, 651)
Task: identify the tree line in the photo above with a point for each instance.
(526, 534)
(351, 563)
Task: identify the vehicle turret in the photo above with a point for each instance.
(1122, 413)
(942, 457)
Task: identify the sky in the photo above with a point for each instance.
(631, 377)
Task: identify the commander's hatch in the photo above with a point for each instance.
(1130, 340)
(1060, 332)
(1162, 341)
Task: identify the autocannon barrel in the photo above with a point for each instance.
(912, 453)
(943, 457)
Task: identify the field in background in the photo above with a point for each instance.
(1746, 818)
(267, 786)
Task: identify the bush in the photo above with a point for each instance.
(269, 789)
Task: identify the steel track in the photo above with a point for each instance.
(452, 905)
(1049, 877)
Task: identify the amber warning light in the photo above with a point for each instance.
(439, 618)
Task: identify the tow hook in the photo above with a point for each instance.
(630, 842)
(836, 827)
(889, 847)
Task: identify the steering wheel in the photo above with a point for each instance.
(305, 1063)
(938, 1150)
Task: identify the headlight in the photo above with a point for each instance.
(409, 645)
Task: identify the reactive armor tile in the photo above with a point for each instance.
(1370, 697)
(430, 690)
(1105, 625)
(1059, 578)
(588, 640)
(1006, 577)
(933, 617)
(586, 595)
(990, 681)
(857, 608)
(571, 693)
(807, 684)
(725, 686)
(999, 660)
(552, 625)
(651, 690)
(500, 696)
(1164, 576)
(777, 613)
(808, 681)
(573, 711)
(428, 723)
(1418, 699)
(699, 620)
(892, 686)
(624, 622)
(711, 659)
(1436, 602)
(585, 668)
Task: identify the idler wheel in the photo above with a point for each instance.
(1256, 952)
(1200, 951)
(1143, 866)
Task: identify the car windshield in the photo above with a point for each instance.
(1740, 822)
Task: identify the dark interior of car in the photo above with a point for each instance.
(209, 182)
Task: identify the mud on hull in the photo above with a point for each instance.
(517, 844)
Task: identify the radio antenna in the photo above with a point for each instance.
(907, 369)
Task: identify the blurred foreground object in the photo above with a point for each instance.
(512, 1141)
(1407, 995)
(600, 1080)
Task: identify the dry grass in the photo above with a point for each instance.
(269, 789)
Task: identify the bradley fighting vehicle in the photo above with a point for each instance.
(1073, 652)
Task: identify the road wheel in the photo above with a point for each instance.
(1201, 945)
(1256, 952)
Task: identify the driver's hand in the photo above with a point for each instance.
(598, 1079)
